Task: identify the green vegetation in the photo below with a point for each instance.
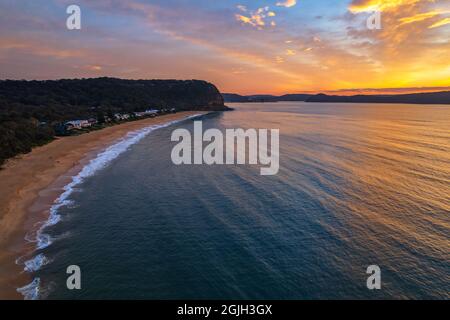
(31, 110)
(20, 134)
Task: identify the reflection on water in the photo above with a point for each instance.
(358, 185)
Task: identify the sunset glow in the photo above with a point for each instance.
(245, 47)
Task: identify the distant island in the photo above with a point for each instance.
(33, 112)
(442, 97)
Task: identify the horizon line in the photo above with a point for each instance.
(352, 92)
(339, 92)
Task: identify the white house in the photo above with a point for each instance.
(77, 124)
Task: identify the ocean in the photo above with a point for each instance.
(358, 185)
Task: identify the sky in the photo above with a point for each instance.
(242, 46)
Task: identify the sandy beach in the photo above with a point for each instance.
(31, 182)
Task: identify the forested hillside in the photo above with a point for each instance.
(29, 110)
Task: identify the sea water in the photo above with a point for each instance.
(358, 185)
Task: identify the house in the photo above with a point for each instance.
(77, 124)
(147, 113)
(85, 123)
(151, 113)
(72, 125)
(121, 116)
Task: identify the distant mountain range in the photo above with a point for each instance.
(231, 97)
(414, 98)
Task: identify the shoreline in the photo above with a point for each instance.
(31, 183)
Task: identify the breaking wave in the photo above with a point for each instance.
(102, 160)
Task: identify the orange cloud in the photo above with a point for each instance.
(279, 59)
(95, 68)
(440, 23)
(420, 17)
(244, 61)
(406, 52)
(244, 19)
(256, 18)
(290, 52)
(287, 3)
(34, 48)
(378, 5)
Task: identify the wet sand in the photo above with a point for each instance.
(30, 183)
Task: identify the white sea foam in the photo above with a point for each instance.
(43, 240)
(36, 263)
(31, 291)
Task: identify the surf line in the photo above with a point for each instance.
(33, 290)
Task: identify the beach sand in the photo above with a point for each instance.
(30, 183)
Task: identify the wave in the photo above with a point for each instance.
(101, 161)
(36, 263)
(31, 291)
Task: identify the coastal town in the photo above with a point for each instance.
(78, 125)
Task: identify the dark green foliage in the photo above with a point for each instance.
(29, 110)
(20, 135)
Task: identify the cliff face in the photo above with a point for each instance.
(30, 110)
(82, 95)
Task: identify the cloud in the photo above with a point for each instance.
(287, 3)
(159, 40)
(420, 17)
(256, 18)
(290, 52)
(378, 5)
(387, 90)
(32, 47)
(410, 49)
(238, 71)
(440, 23)
(279, 59)
(94, 68)
(245, 19)
(242, 8)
